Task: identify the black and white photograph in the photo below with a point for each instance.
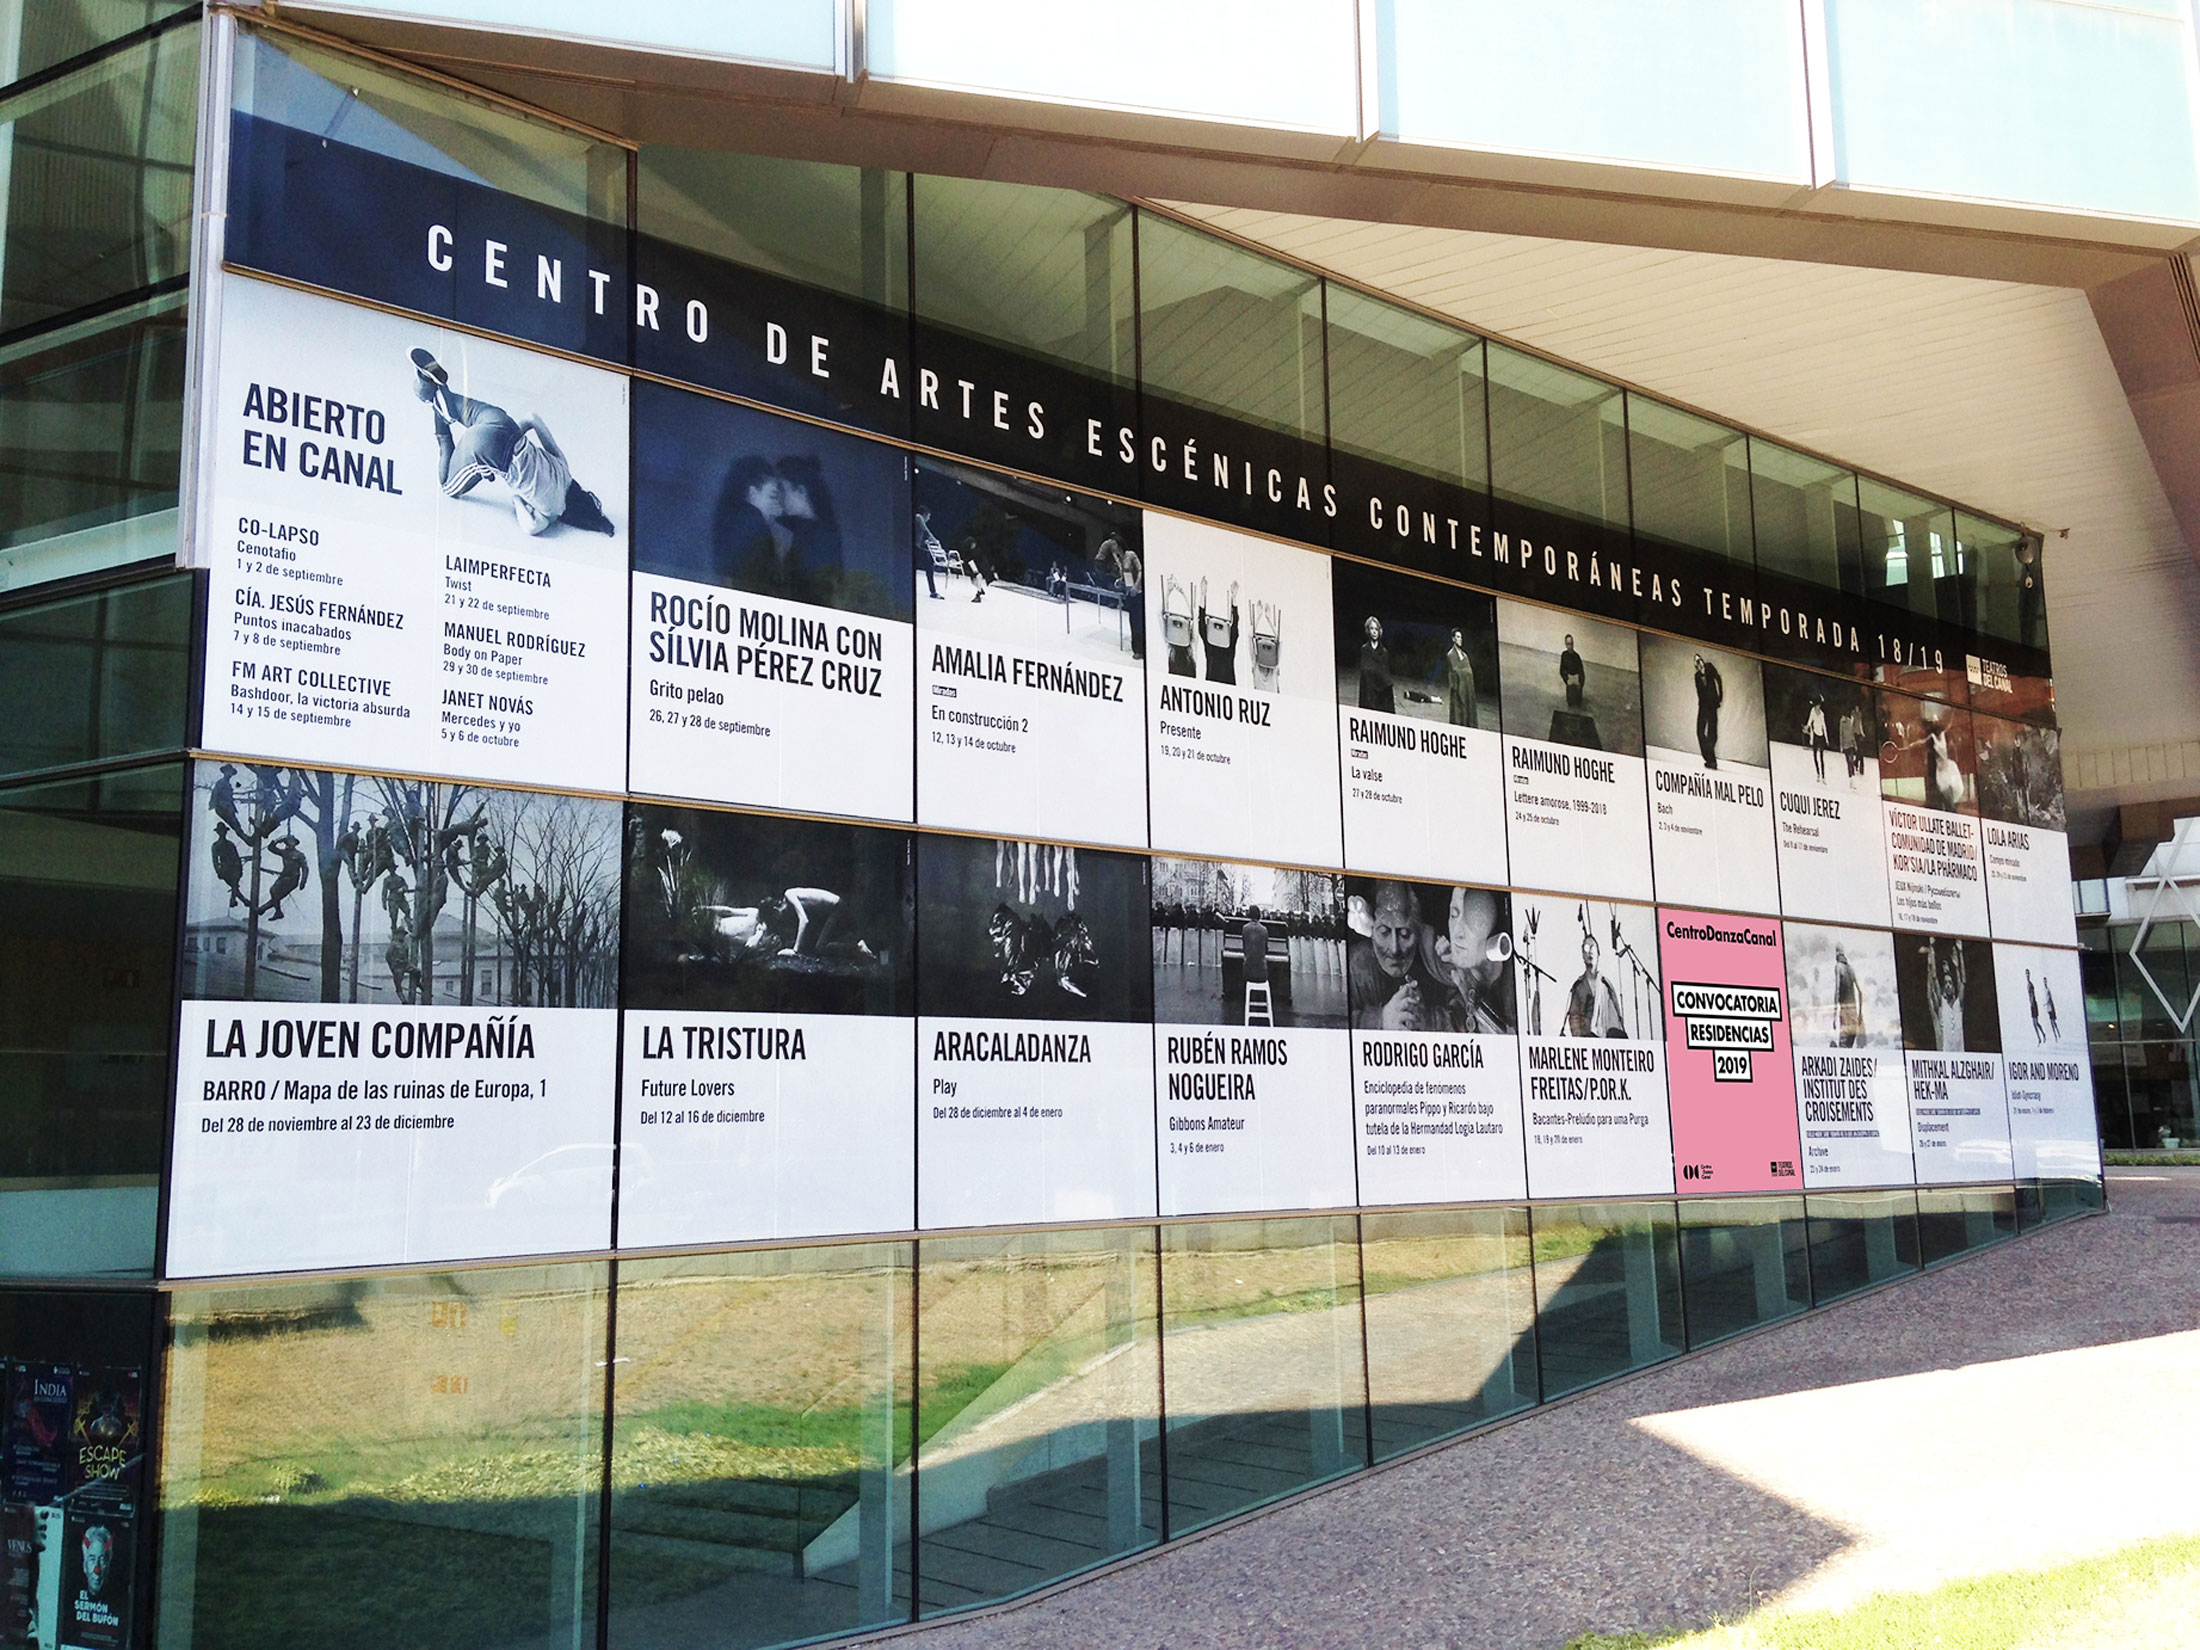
(754, 914)
(738, 499)
(1576, 785)
(1241, 696)
(1417, 722)
(2023, 831)
(1851, 1082)
(1949, 1003)
(1569, 680)
(1832, 720)
(1592, 1047)
(1035, 1036)
(1030, 658)
(1256, 1112)
(1711, 816)
(399, 1039)
(1827, 819)
(1936, 864)
(770, 1036)
(2047, 1065)
(1241, 945)
(773, 650)
(1428, 956)
(2020, 774)
(428, 563)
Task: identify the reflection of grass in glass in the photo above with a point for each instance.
(948, 1392)
(1570, 1242)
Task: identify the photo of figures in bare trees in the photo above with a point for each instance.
(308, 885)
(1247, 945)
(739, 913)
(2020, 777)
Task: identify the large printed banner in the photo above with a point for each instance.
(1031, 637)
(398, 1041)
(2046, 1064)
(1592, 1048)
(2025, 826)
(1435, 1046)
(1929, 776)
(1252, 1072)
(769, 1072)
(1729, 1067)
(773, 651)
(1034, 1034)
(1824, 735)
(1711, 833)
(1417, 704)
(419, 547)
(1241, 696)
(1951, 1028)
(1575, 809)
(1851, 1082)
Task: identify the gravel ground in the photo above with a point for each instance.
(1989, 1416)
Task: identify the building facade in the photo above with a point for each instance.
(761, 882)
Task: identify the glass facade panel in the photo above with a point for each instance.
(1744, 1262)
(95, 677)
(38, 34)
(1261, 1356)
(842, 229)
(2158, 1077)
(1229, 331)
(96, 168)
(1406, 391)
(1038, 1409)
(1690, 479)
(1558, 439)
(1046, 272)
(1450, 1322)
(88, 884)
(1858, 1239)
(2111, 1104)
(1909, 548)
(91, 443)
(2009, 594)
(1608, 1290)
(379, 1461)
(2063, 1199)
(1955, 1220)
(760, 1448)
(1807, 527)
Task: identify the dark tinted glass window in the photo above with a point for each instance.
(1744, 1262)
(1860, 1238)
(1955, 1221)
(1406, 390)
(1806, 520)
(96, 676)
(1558, 439)
(842, 229)
(1690, 479)
(2009, 592)
(1450, 1321)
(1608, 1290)
(37, 34)
(1229, 331)
(1910, 554)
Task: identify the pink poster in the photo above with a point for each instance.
(1726, 1039)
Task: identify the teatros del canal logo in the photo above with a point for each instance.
(1733, 1021)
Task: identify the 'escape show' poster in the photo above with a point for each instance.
(770, 1046)
(1034, 1033)
(773, 650)
(1417, 703)
(1250, 1059)
(398, 1035)
(419, 544)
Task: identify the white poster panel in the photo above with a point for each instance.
(1592, 1049)
(1711, 835)
(1243, 742)
(1829, 825)
(1417, 721)
(2046, 1064)
(1031, 692)
(418, 544)
(774, 658)
(398, 1042)
(1928, 775)
(1851, 1082)
(1034, 1034)
(770, 1049)
(1253, 1077)
(1576, 808)
(1435, 1042)
(1951, 1027)
(2024, 824)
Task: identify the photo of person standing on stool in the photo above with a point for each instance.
(1260, 1006)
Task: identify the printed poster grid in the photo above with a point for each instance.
(800, 467)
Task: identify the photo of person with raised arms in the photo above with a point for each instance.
(1951, 1028)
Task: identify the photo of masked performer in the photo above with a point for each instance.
(480, 443)
(1426, 957)
(1257, 945)
(1010, 929)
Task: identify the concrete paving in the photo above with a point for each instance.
(2022, 1407)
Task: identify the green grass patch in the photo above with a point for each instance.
(2016, 1610)
(2151, 1160)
